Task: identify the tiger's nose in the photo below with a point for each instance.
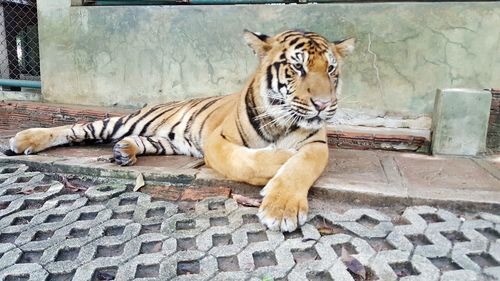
(321, 104)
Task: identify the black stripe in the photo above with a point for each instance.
(132, 127)
(194, 115)
(146, 126)
(163, 150)
(104, 125)
(300, 45)
(195, 102)
(203, 125)
(242, 135)
(92, 130)
(116, 127)
(222, 135)
(310, 135)
(252, 113)
(318, 141)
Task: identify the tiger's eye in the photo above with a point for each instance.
(297, 66)
(330, 68)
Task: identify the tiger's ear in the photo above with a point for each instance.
(344, 47)
(258, 42)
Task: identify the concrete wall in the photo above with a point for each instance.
(129, 56)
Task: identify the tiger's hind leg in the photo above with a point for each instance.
(126, 150)
(34, 140)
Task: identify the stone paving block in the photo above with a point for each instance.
(25, 271)
(460, 275)
(105, 191)
(215, 205)
(260, 260)
(489, 217)
(128, 236)
(190, 264)
(9, 255)
(382, 261)
(427, 271)
(476, 241)
(308, 256)
(438, 246)
(145, 267)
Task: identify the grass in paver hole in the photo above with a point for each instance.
(380, 244)
(30, 257)
(228, 263)
(147, 271)
(483, 260)
(262, 259)
(103, 274)
(220, 221)
(109, 251)
(455, 236)
(319, 276)
(249, 218)
(293, 235)
(22, 179)
(24, 277)
(186, 244)
(185, 225)
(21, 220)
(256, 236)
(8, 170)
(221, 240)
(419, 240)
(490, 233)
(43, 235)
(62, 276)
(367, 221)
(158, 212)
(351, 250)
(114, 230)
(150, 228)
(87, 216)
(67, 254)
(128, 201)
(188, 267)
(32, 204)
(54, 218)
(403, 269)
(79, 232)
(216, 206)
(303, 255)
(445, 264)
(123, 215)
(151, 247)
(431, 218)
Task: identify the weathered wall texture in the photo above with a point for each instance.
(134, 55)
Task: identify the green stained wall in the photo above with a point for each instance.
(134, 55)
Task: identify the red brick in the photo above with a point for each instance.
(196, 194)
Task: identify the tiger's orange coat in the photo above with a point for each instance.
(272, 133)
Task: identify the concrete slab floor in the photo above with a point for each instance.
(373, 177)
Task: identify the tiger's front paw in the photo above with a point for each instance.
(30, 141)
(125, 152)
(283, 208)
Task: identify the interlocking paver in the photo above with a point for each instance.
(108, 232)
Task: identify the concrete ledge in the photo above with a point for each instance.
(369, 177)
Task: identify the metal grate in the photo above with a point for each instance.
(19, 53)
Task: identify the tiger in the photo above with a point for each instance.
(272, 133)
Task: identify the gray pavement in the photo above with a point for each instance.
(48, 232)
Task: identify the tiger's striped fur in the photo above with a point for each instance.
(272, 133)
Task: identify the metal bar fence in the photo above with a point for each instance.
(19, 52)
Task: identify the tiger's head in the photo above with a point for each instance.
(299, 75)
